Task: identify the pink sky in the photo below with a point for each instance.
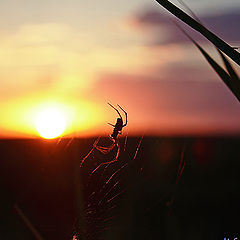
(130, 55)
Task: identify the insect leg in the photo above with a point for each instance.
(125, 115)
(115, 109)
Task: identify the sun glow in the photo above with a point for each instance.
(50, 117)
(51, 122)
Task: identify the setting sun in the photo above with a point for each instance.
(50, 122)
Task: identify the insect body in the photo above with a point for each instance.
(117, 129)
(119, 124)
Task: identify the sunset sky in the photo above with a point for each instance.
(80, 55)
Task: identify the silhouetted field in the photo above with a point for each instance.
(133, 198)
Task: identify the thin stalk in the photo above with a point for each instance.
(218, 69)
(218, 42)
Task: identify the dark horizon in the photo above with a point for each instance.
(40, 177)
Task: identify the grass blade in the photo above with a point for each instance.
(218, 69)
(227, 64)
(235, 81)
(218, 42)
(230, 69)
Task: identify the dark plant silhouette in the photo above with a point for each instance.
(218, 42)
(229, 77)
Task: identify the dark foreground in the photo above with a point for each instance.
(45, 195)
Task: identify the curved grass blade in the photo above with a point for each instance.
(230, 68)
(227, 64)
(218, 42)
(218, 69)
(235, 78)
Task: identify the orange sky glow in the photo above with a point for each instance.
(80, 60)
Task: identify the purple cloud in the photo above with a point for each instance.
(225, 25)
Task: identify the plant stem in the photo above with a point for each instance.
(218, 42)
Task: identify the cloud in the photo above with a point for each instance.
(182, 95)
(55, 57)
(150, 17)
(160, 23)
(181, 105)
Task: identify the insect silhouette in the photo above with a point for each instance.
(119, 124)
(117, 129)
